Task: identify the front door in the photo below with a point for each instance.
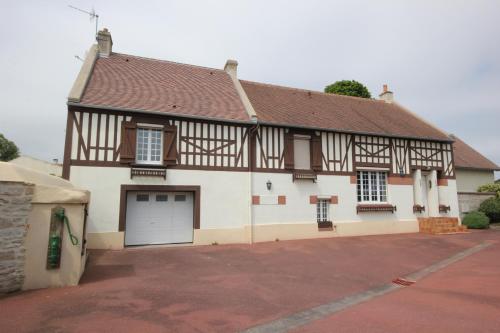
(424, 181)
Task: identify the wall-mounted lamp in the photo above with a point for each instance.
(269, 185)
(401, 171)
(430, 184)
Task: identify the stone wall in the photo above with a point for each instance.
(469, 201)
(15, 206)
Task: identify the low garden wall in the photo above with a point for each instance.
(15, 207)
(469, 201)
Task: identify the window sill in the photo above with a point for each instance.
(304, 174)
(360, 208)
(148, 172)
(418, 208)
(325, 225)
(444, 209)
(148, 166)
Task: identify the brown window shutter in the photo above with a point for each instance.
(128, 142)
(288, 151)
(316, 153)
(170, 145)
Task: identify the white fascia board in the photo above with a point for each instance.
(76, 93)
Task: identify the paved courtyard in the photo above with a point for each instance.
(230, 288)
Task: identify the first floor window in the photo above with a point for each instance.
(149, 146)
(302, 152)
(372, 186)
(322, 207)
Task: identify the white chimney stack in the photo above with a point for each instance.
(231, 68)
(104, 42)
(386, 95)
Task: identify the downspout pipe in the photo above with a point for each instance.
(252, 130)
(231, 68)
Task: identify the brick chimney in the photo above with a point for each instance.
(104, 42)
(386, 95)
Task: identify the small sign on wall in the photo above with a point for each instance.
(269, 200)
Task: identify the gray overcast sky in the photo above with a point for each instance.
(441, 58)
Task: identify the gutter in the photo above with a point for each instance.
(231, 68)
(161, 113)
(476, 169)
(355, 132)
(250, 187)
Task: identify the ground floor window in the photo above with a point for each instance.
(322, 210)
(372, 186)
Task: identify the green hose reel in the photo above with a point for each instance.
(57, 222)
(62, 217)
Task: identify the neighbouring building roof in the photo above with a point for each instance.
(297, 107)
(48, 188)
(130, 82)
(466, 157)
(38, 165)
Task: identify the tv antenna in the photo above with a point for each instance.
(93, 16)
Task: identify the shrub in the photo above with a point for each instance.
(491, 207)
(8, 149)
(476, 220)
(490, 188)
(349, 88)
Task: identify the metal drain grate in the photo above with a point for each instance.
(403, 282)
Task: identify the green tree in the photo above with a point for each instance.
(349, 88)
(8, 149)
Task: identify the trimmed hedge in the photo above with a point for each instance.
(491, 207)
(490, 188)
(476, 220)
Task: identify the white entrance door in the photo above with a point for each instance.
(159, 218)
(424, 181)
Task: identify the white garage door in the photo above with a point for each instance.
(159, 218)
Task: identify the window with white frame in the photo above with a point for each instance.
(149, 146)
(322, 210)
(372, 186)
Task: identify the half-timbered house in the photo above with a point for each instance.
(175, 153)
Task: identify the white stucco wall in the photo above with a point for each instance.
(448, 197)
(470, 180)
(298, 208)
(225, 197)
(226, 213)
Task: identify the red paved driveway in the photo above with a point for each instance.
(464, 297)
(229, 288)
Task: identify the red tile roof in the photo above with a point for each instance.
(466, 157)
(297, 107)
(130, 82)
